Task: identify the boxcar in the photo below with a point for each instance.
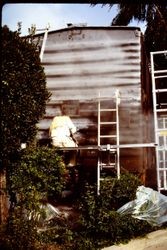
(83, 63)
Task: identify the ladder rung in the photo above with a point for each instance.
(107, 164)
(108, 123)
(108, 136)
(103, 165)
(159, 71)
(107, 110)
(162, 188)
(158, 77)
(161, 149)
(105, 179)
(161, 110)
(160, 90)
(111, 150)
(153, 53)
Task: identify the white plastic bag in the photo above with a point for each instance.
(149, 205)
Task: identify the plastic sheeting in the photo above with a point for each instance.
(47, 212)
(149, 205)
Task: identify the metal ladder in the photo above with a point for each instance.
(112, 160)
(159, 92)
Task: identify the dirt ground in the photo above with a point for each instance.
(153, 241)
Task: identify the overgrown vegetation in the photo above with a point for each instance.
(39, 173)
(153, 14)
(19, 233)
(101, 224)
(23, 93)
(98, 225)
(23, 100)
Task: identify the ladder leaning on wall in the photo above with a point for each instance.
(113, 154)
(43, 40)
(159, 93)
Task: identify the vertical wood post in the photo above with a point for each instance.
(3, 197)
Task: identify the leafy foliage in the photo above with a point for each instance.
(23, 92)
(102, 225)
(19, 233)
(113, 194)
(40, 173)
(99, 224)
(153, 14)
(156, 32)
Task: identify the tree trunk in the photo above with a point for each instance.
(3, 197)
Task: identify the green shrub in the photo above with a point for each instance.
(19, 233)
(113, 194)
(100, 225)
(99, 217)
(117, 192)
(23, 92)
(39, 174)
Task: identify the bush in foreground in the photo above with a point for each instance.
(100, 224)
(37, 174)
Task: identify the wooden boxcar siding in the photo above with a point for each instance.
(80, 63)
